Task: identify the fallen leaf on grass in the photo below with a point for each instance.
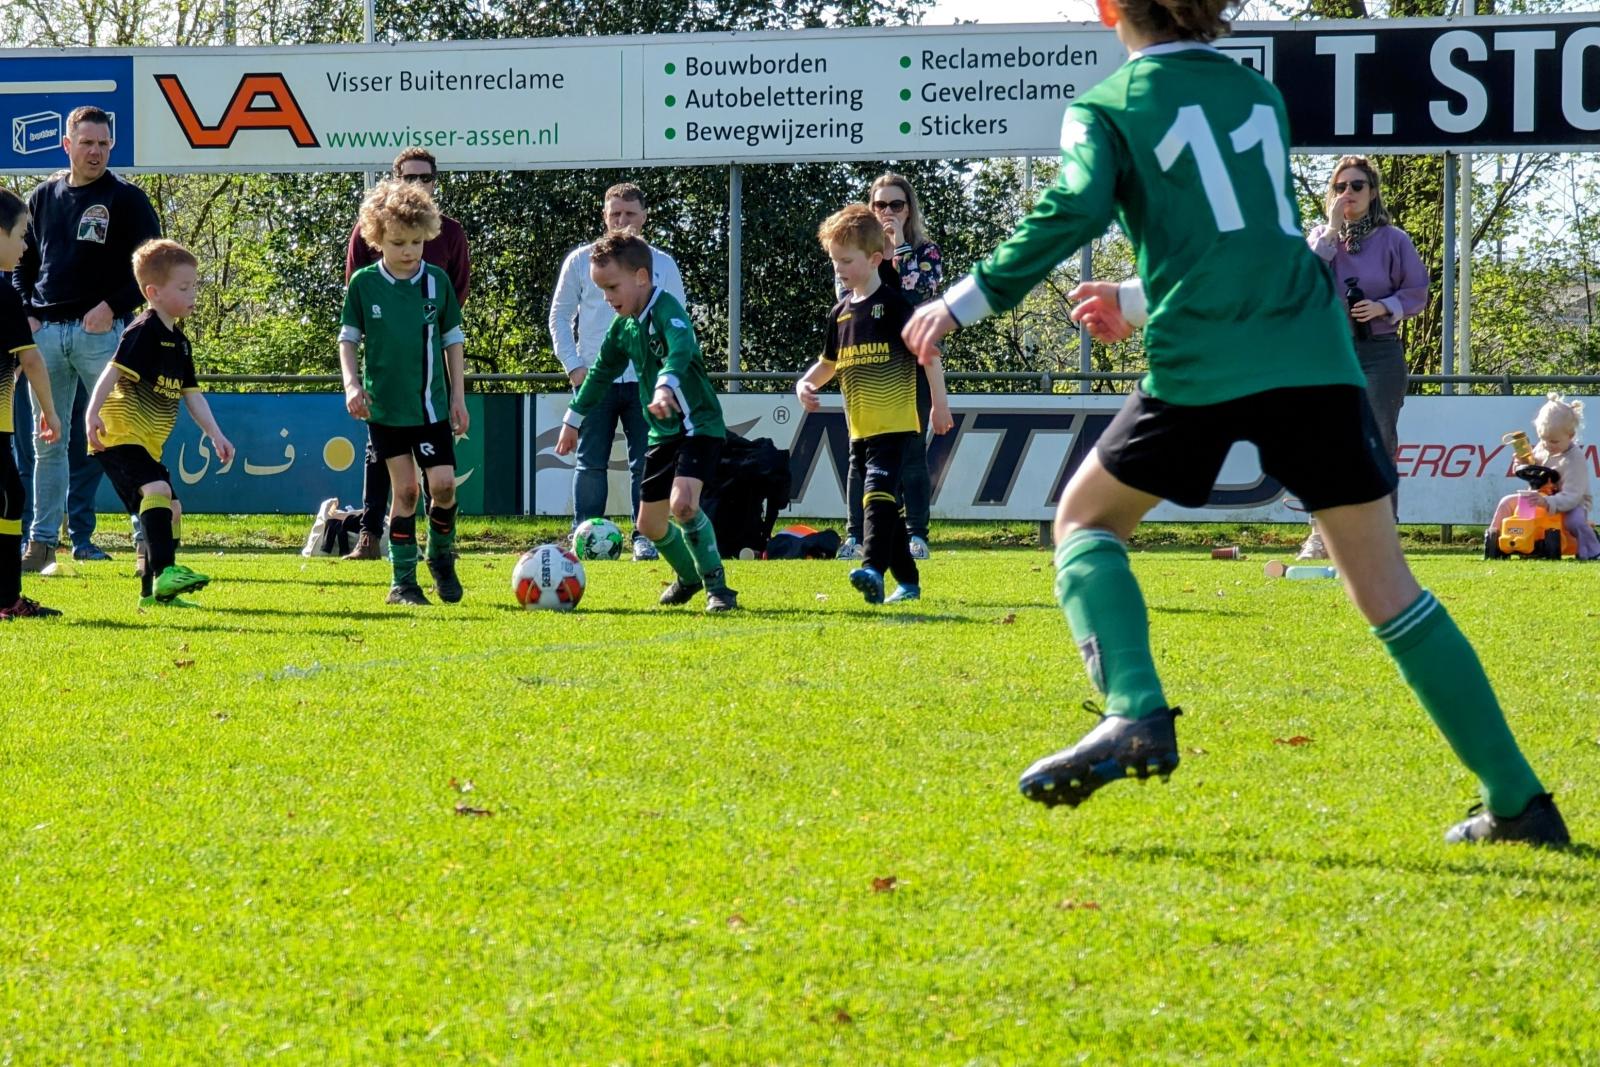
(464, 809)
(181, 663)
(354, 639)
(1198, 752)
(184, 647)
(735, 921)
(1294, 742)
(822, 596)
(1078, 905)
(885, 885)
(1007, 619)
(464, 786)
(220, 716)
(842, 1017)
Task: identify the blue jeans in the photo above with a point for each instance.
(596, 436)
(83, 473)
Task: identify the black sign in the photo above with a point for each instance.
(1470, 84)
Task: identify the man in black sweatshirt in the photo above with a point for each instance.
(76, 280)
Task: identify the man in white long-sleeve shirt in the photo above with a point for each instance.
(578, 300)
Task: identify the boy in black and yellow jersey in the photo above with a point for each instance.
(135, 405)
(878, 377)
(17, 348)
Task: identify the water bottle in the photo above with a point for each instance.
(1353, 296)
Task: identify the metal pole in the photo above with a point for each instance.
(1464, 301)
(1469, 8)
(735, 238)
(369, 34)
(1447, 302)
(1085, 342)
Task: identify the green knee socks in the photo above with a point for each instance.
(1442, 668)
(1105, 610)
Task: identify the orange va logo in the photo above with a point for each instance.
(279, 111)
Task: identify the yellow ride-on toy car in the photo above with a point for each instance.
(1531, 529)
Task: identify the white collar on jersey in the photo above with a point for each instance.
(1169, 47)
(644, 312)
(413, 280)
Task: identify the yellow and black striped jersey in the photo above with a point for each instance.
(877, 373)
(15, 338)
(155, 368)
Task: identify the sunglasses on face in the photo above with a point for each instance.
(1359, 185)
(427, 179)
(888, 205)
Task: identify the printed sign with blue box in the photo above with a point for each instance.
(37, 95)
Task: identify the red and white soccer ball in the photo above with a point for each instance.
(548, 577)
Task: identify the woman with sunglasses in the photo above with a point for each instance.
(1377, 268)
(919, 270)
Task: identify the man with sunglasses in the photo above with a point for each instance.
(448, 252)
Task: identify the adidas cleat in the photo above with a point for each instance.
(721, 599)
(445, 581)
(680, 592)
(176, 579)
(1539, 824)
(869, 583)
(410, 595)
(1117, 748)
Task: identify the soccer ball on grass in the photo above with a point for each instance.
(597, 539)
(548, 577)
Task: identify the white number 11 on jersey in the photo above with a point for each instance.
(1192, 130)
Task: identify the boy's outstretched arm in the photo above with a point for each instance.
(92, 425)
(200, 411)
(818, 375)
(356, 400)
(456, 356)
(39, 378)
(939, 414)
(607, 365)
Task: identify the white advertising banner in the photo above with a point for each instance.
(955, 94)
(1517, 83)
(1008, 457)
(478, 106)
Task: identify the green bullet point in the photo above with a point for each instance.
(905, 61)
(671, 133)
(905, 94)
(905, 127)
(672, 101)
(672, 68)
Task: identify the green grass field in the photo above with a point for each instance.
(303, 824)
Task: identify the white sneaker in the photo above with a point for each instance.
(1313, 548)
(644, 551)
(919, 548)
(850, 549)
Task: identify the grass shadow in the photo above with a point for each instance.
(1337, 861)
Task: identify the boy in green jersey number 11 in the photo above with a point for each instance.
(652, 331)
(410, 387)
(1187, 150)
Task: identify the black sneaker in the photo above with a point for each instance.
(408, 594)
(444, 578)
(1118, 747)
(721, 599)
(1539, 824)
(680, 592)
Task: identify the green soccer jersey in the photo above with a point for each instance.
(406, 324)
(1187, 150)
(660, 344)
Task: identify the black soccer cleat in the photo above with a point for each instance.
(410, 594)
(680, 592)
(1539, 824)
(721, 599)
(1117, 748)
(445, 581)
